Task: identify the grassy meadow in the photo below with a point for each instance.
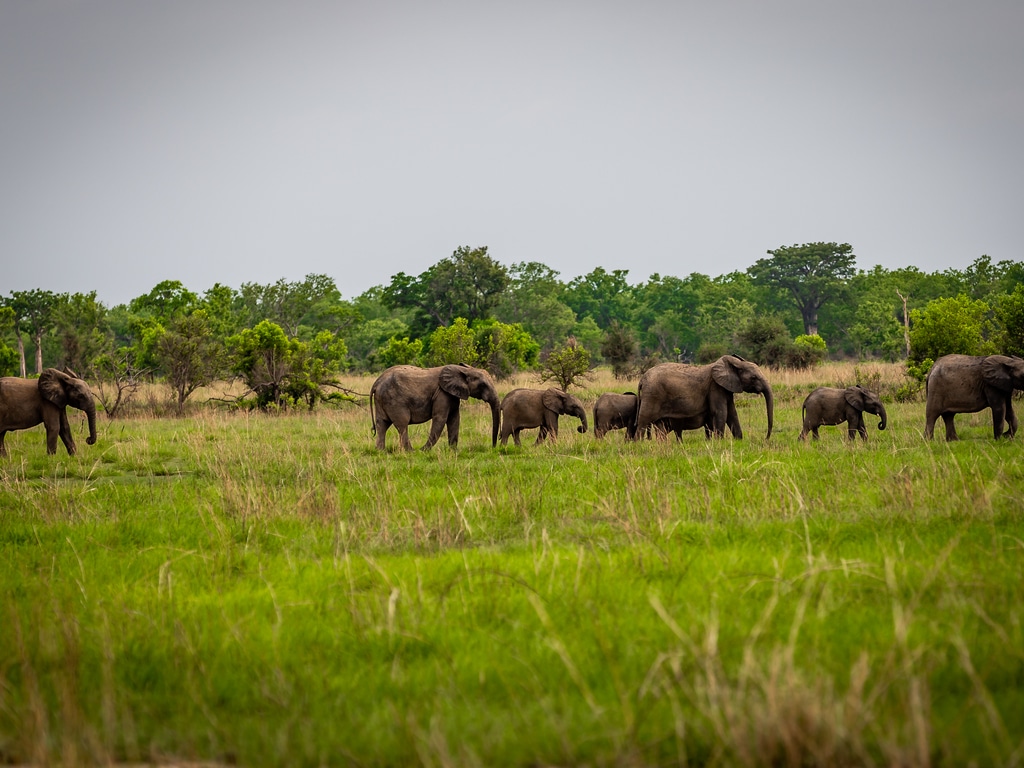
(268, 589)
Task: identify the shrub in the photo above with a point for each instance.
(399, 351)
(567, 365)
(455, 343)
(505, 348)
(949, 326)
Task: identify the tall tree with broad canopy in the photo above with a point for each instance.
(33, 313)
(467, 284)
(811, 274)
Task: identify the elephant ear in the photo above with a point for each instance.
(553, 399)
(453, 381)
(51, 387)
(724, 374)
(996, 372)
(855, 397)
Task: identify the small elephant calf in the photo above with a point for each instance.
(830, 406)
(528, 408)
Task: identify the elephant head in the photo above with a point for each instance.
(64, 388)
(734, 374)
(464, 382)
(563, 403)
(1003, 372)
(863, 400)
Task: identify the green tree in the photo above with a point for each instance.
(167, 300)
(467, 284)
(666, 314)
(81, 329)
(190, 353)
(1010, 315)
(399, 351)
(504, 348)
(264, 357)
(811, 274)
(33, 312)
(604, 296)
(568, 365)
(315, 369)
(947, 326)
(534, 299)
(8, 354)
(620, 348)
(455, 343)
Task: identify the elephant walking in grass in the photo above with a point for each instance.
(530, 408)
(830, 406)
(405, 394)
(968, 384)
(27, 402)
(619, 411)
(696, 392)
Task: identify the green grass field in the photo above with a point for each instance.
(270, 590)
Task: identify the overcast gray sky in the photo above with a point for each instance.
(219, 141)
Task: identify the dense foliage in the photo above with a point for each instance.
(792, 309)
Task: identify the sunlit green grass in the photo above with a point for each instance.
(272, 590)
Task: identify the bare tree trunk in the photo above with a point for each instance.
(21, 354)
(39, 352)
(906, 322)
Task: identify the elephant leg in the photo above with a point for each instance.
(381, 425)
(1011, 417)
(542, 435)
(931, 416)
(998, 417)
(515, 436)
(950, 429)
(855, 426)
(814, 431)
(3, 448)
(454, 419)
(64, 432)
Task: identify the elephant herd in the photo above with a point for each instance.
(670, 397)
(673, 397)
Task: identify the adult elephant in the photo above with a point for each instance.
(615, 410)
(27, 402)
(530, 408)
(830, 406)
(691, 392)
(970, 383)
(405, 394)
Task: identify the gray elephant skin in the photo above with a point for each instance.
(829, 406)
(531, 408)
(615, 410)
(406, 394)
(693, 392)
(968, 384)
(24, 403)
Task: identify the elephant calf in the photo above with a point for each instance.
(618, 411)
(830, 406)
(529, 408)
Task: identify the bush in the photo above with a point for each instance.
(455, 343)
(568, 365)
(949, 326)
(399, 351)
(505, 348)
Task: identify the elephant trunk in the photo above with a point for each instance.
(770, 405)
(881, 415)
(582, 428)
(90, 412)
(495, 404)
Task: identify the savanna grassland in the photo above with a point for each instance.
(270, 590)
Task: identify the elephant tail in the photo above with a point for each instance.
(373, 420)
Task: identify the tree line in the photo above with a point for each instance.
(289, 341)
